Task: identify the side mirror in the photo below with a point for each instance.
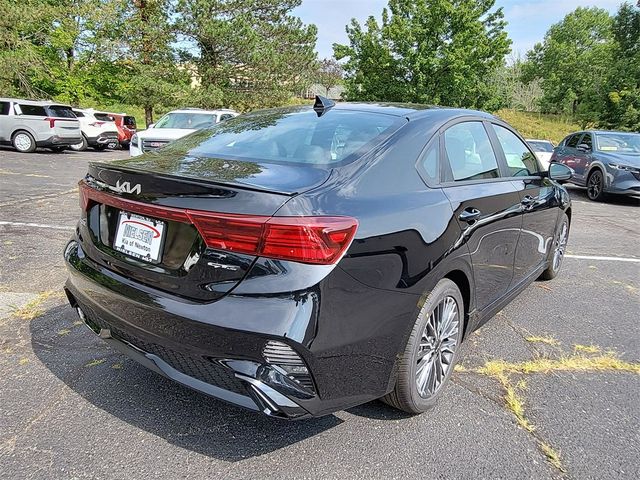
(583, 147)
(558, 171)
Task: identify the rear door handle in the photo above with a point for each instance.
(470, 214)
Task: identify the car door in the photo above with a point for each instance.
(572, 157)
(538, 200)
(486, 206)
(583, 157)
(5, 121)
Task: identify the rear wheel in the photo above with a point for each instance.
(80, 147)
(431, 352)
(595, 186)
(559, 247)
(23, 142)
(99, 147)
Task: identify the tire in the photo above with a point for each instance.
(57, 149)
(80, 147)
(99, 147)
(416, 357)
(559, 247)
(595, 185)
(23, 142)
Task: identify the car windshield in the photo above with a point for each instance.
(188, 120)
(619, 142)
(293, 136)
(540, 146)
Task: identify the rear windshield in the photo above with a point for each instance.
(540, 146)
(187, 120)
(103, 117)
(619, 142)
(60, 111)
(295, 136)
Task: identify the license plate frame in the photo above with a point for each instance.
(134, 246)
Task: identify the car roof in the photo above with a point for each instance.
(597, 132)
(33, 102)
(537, 140)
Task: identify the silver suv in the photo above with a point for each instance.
(28, 124)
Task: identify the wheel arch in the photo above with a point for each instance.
(461, 279)
(22, 128)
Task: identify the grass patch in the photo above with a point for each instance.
(540, 126)
(33, 308)
(546, 340)
(23, 361)
(64, 331)
(586, 348)
(93, 363)
(552, 456)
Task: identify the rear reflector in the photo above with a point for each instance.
(315, 240)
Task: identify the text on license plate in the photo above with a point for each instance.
(139, 236)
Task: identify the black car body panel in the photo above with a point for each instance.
(204, 317)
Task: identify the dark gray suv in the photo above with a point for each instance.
(604, 162)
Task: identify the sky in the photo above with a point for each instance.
(528, 20)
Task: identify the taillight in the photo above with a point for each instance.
(52, 121)
(317, 240)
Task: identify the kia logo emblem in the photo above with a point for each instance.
(125, 187)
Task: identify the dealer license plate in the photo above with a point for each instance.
(139, 237)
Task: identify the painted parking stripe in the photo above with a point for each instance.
(36, 225)
(594, 257)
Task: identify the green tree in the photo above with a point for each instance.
(250, 54)
(329, 74)
(621, 102)
(573, 62)
(426, 51)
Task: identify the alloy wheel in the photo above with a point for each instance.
(561, 244)
(22, 142)
(594, 187)
(437, 347)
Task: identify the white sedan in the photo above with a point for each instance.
(175, 125)
(543, 150)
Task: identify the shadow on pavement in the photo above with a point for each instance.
(145, 400)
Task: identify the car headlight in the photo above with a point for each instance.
(134, 140)
(627, 168)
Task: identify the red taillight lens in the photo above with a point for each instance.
(316, 240)
(52, 122)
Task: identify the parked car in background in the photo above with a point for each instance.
(127, 127)
(99, 130)
(175, 125)
(303, 260)
(543, 150)
(28, 124)
(604, 162)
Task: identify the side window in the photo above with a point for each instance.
(225, 116)
(520, 160)
(469, 153)
(429, 162)
(587, 140)
(4, 108)
(35, 110)
(78, 114)
(573, 141)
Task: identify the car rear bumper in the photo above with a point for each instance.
(103, 139)
(56, 141)
(217, 348)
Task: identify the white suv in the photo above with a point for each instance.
(99, 130)
(175, 125)
(28, 124)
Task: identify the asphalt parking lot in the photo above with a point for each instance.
(547, 389)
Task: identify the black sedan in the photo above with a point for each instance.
(604, 162)
(299, 261)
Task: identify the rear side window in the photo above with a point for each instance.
(469, 153)
(60, 111)
(78, 114)
(428, 165)
(129, 122)
(587, 140)
(4, 108)
(35, 110)
(296, 136)
(573, 141)
(520, 160)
